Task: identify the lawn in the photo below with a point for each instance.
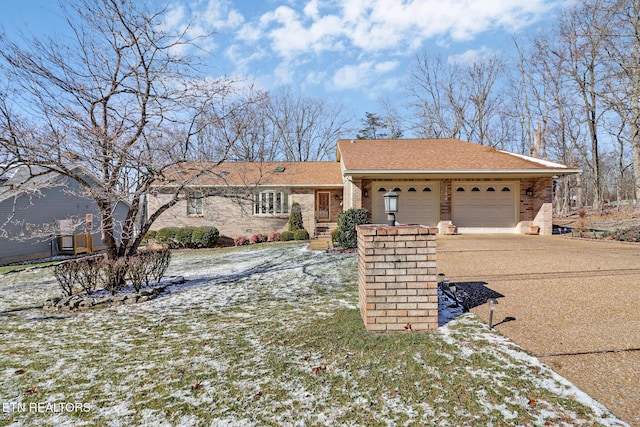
(262, 336)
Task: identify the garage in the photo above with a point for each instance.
(418, 202)
(484, 204)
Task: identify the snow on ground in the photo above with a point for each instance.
(242, 343)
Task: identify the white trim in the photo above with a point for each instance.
(541, 172)
(543, 162)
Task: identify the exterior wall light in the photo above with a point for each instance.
(492, 307)
(366, 193)
(391, 206)
(529, 192)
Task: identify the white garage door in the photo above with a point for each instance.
(418, 202)
(486, 205)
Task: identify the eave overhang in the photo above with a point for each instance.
(463, 173)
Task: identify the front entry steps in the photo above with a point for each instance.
(323, 230)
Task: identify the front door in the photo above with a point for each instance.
(323, 205)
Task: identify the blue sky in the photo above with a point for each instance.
(352, 51)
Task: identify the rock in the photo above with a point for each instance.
(51, 302)
(63, 301)
(102, 300)
(86, 302)
(120, 298)
(131, 299)
(144, 298)
(177, 280)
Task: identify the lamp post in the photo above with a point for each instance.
(492, 307)
(391, 206)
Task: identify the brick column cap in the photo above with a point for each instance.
(392, 230)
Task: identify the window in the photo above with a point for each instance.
(194, 203)
(491, 189)
(270, 202)
(506, 189)
(413, 190)
(475, 189)
(426, 189)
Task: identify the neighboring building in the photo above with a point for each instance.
(35, 211)
(440, 181)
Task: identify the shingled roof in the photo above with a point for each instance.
(437, 156)
(276, 174)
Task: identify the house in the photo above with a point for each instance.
(38, 207)
(439, 181)
(245, 198)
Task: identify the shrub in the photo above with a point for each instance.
(258, 238)
(114, 273)
(347, 236)
(94, 272)
(624, 235)
(88, 273)
(580, 226)
(239, 241)
(150, 235)
(159, 260)
(274, 236)
(334, 235)
(205, 237)
(183, 236)
(65, 275)
(301, 234)
(166, 235)
(286, 236)
(295, 218)
(136, 270)
(147, 266)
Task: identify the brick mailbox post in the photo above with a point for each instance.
(397, 277)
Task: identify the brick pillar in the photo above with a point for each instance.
(397, 277)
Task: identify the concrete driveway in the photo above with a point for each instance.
(572, 303)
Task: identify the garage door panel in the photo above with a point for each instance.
(492, 205)
(415, 205)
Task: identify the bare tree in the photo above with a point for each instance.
(622, 43)
(581, 42)
(460, 100)
(437, 103)
(116, 95)
(238, 130)
(306, 129)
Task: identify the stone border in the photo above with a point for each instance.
(81, 302)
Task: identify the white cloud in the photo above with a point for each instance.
(352, 44)
(378, 25)
(471, 56)
(364, 75)
(311, 9)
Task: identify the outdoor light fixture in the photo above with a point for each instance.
(529, 192)
(492, 307)
(453, 288)
(391, 206)
(366, 193)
